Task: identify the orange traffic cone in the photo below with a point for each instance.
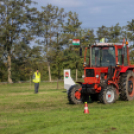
(86, 111)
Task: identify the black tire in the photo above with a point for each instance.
(127, 93)
(94, 97)
(107, 95)
(71, 95)
(117, 97)
(100, 96)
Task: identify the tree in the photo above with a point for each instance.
(73, 24)
(130, 29)
(102, 32)
(24, 60)
(3, 72)
(49, 29)
(72, 27)
(86, 36)
(15, 15)
(114, 33)
(130, 36)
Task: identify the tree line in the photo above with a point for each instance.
(31, 39)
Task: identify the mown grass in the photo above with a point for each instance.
(23, 112)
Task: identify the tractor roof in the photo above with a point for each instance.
(107, 44)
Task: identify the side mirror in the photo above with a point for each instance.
(80, 51)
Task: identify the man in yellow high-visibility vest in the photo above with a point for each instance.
(36, 80)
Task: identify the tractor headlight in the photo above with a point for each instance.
(97, 76)
(83, 76)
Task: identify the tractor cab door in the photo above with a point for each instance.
(122, 56)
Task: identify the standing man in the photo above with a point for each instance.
(36, 80)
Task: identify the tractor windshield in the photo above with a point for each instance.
(103, 56)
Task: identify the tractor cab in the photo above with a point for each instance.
(106, 54)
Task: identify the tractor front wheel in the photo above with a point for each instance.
(74, 94)
(107, 95)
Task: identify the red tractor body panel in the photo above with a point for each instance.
(125, 68)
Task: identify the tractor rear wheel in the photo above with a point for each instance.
(74, 94)
(107, 95)
(127, 86)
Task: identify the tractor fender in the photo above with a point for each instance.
(115, 85)
(124, 69)
(79, 83)
(111, 82)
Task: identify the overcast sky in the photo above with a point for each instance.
(95, 13)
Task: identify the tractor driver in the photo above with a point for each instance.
(107, 58)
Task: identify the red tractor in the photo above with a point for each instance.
(107, 75)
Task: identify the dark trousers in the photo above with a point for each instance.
(36, 86)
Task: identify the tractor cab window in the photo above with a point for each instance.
(122, 52)
(120, 56)
(103, 56)
(96, 56)
(125, 56)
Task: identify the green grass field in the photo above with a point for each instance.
(48, 112)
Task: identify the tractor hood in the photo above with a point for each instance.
(92, 75)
